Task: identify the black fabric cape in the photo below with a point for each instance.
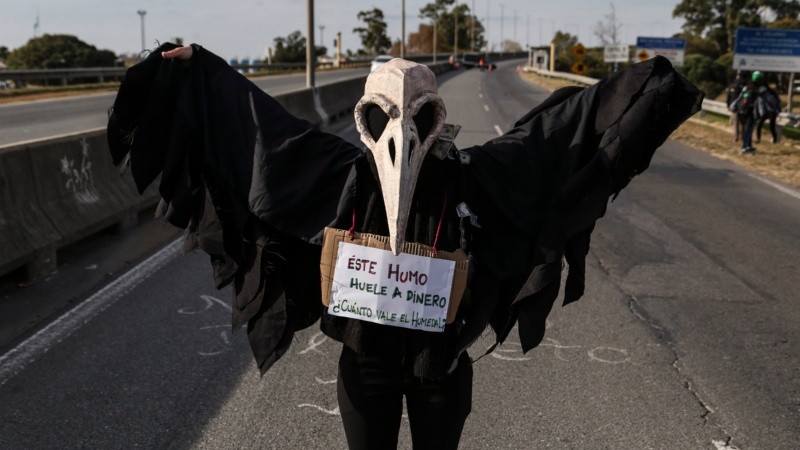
(254, 187)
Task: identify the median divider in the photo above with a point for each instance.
(27, 237)
(55, 192)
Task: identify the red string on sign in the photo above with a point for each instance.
(439, 227)
(352, 231)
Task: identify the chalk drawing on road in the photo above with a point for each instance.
(224, 335)
(208, 303)
(314, 342)
(558, 348)
(606, 355)
(332, 412)
(602, 354)
(722, 445)
(80, 179)
(500, 353)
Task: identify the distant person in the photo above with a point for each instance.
(744, 108)
(767, 106)
(734, 90)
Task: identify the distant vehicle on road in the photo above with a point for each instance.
(379, 61)
(479, 60)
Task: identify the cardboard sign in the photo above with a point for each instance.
(407, 291)
(403, 280)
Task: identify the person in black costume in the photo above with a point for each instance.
(255, 188)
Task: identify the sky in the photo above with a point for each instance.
(246, 28)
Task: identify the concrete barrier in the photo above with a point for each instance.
(301, 103)
(58, 191)
(27, 237)
(339, 99)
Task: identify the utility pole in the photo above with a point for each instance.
(321, 35)
(472, 28)
(515, 26)
(435, 19)
(488, 43)
(502, 14)
(403, 29)
(310, 43)
(455, 31)
(141, 13)
(528, 33)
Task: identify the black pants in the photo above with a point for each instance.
(772, 128)
(371, 394)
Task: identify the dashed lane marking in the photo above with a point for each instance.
(498, 129)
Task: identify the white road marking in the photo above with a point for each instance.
(480, 95)
(721, 445)
(332, 412)
(784, 189)
(498, 129)
(486, 107)
(40, 343)
(321, 381)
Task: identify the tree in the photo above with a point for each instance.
(705, 73)
(292, 48)
(608, 31)
(718, 20)
(421, 41)
(373, 35)
(564, 43)
(782, 9)
(510, 46)
(447, 21)
(57, 51)
(785, 23)
(3, 52)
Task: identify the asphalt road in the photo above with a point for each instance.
(47, 118)
(687, 336)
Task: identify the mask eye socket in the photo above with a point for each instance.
(424, 120)
(376, 120)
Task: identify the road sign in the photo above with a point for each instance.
(616, 53)
(579, 51)
(579, 68)
(670, 48)
(644, 55)
(771, 50)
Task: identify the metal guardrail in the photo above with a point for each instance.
(64, 75)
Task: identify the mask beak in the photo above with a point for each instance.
(398, 177)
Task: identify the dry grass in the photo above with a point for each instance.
(780, 161)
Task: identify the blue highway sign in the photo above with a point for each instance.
(770, 50)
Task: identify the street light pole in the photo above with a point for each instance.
(502, 15)
(322, 35)
(472, 28)
(435, 19)
(310, 43)
(403, 29)
(141, 13)
(455, 31)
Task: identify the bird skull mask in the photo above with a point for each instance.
(399, 118)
